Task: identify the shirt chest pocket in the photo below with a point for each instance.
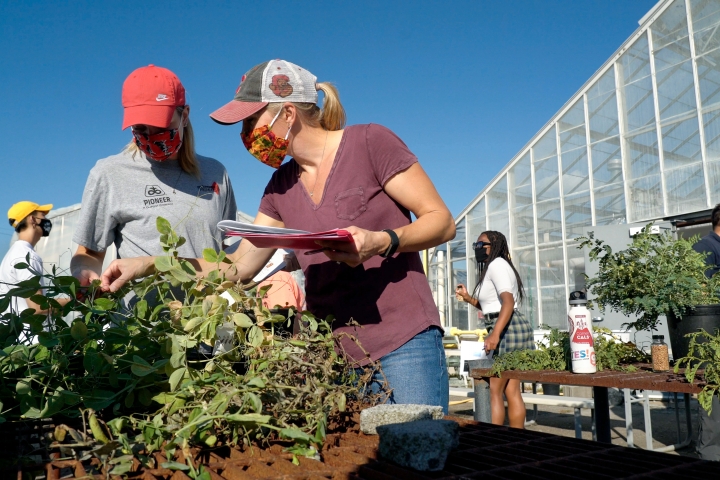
(350, 204)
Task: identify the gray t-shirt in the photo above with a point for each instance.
(124, 196)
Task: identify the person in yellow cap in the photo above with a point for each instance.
(28, 220)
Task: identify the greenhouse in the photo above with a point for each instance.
(639, 142)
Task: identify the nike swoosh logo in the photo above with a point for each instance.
(161, 97)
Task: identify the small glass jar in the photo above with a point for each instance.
(659, 353)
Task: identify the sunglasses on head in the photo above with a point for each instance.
(480, 244)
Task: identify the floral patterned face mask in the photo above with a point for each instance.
(265, 145)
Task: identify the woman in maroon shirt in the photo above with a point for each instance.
(363, 179)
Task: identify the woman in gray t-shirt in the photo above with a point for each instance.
(157, 174)
(363, 179)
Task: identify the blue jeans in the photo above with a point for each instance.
(417, 372)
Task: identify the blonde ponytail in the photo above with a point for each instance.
(332, 115)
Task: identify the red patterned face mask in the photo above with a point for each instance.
(159, 146)
(264, 145)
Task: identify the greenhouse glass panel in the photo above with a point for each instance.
(711, 123)
(530, 307)
(671, 26)
(523, 227)
(546, 146)
(551, 265)
(643, 153)
(685, 189)
(607, 162)
(705, 14)
(681, 143)
(477, 222)
(639, 104)
(500, 222)
(707, 40)
(549, 221)
(497, 197)
(575, 268)
(460, 311)
(671, 56)
(574, 117)
(634, 64)
(578, 214)
(610, 205)
(714, 179)
(457, 246)
(709, 78)
(575, 171)
(520, 181)
(602, 108)
(572, 127)
(676, 92)
(646, 199)
(554, 307)
(547, 185)
(524, 262)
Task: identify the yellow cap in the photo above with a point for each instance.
(22, 209)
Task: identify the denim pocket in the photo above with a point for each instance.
(350, 204)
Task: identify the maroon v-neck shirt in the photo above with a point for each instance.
(390, 297)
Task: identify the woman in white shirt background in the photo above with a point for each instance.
(498, 293)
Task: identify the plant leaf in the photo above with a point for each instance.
(175, 378)
(242, 320)
(163, 226)
(79, 330)
(164, 264)
(210, 255)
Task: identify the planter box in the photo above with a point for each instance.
(706, 317)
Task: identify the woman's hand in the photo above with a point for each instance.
(121, 271)
(461, 292)
(366, 244)
(491, 341)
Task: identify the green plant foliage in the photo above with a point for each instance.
(139, 366)
(654, 276)
(703, 353)
(553, 353)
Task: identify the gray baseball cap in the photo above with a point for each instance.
(270, 82)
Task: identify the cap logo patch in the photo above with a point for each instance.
(161, 97)
(280, 86)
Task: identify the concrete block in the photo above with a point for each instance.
(422, 445)
(573, 391)
(373, 417)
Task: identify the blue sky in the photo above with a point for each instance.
(464, 83)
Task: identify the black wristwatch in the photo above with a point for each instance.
(394, 244)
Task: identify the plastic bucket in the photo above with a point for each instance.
(706, 317)
(551, 388)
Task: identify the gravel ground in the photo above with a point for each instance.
(560, 421)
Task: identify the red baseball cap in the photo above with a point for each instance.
(150, 96)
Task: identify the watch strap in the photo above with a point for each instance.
(394, 244)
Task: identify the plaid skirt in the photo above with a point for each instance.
(518, 334)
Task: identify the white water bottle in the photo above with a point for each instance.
(582, 347)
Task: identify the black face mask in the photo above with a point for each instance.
(481, 254)
(46, 226)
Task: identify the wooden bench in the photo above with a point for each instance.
(535, 399)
